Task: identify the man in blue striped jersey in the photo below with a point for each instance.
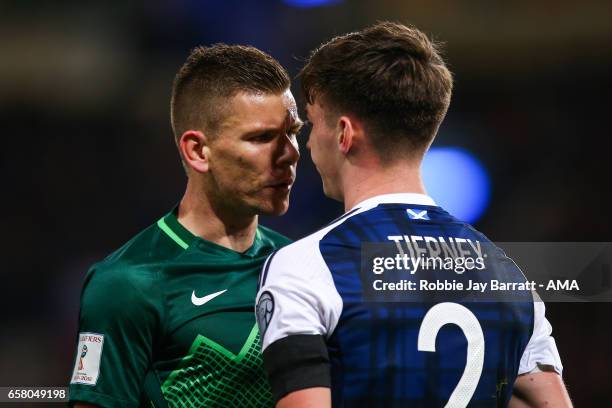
(336, 333)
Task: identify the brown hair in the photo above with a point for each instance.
(389, 75)
(218, 72)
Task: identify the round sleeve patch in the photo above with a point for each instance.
(264, 311)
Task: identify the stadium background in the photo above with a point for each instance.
(88, 158)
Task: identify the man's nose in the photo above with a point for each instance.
(291, 151)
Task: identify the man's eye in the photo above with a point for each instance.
(263, 138)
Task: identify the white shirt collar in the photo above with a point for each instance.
(404, 198)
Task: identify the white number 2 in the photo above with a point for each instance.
(446, 313)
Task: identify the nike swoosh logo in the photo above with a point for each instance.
(199, 301)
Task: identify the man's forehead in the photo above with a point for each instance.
(250, 102)
(262, 109)
(290, 102)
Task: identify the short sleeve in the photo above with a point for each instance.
(297, 295)
(119, 319)
(541, 352)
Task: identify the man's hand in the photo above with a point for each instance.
(317, 397)
(542, 389)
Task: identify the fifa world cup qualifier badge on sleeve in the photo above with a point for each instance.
(265, 310)
(87, 364)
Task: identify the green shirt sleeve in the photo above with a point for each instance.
(120, 317)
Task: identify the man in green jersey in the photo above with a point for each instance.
(167, 320)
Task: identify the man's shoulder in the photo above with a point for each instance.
(119, 283)
(120, 289)
(135, 264)
(149, 245)
(300, 252)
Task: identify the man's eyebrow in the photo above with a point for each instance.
(295, 127)
(260, 131)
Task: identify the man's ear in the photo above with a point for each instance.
(194, 148)
(346, 134)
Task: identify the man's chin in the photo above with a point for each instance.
(331, 193)
(278, 212)
(274, 208)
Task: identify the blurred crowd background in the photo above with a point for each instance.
(88, 158)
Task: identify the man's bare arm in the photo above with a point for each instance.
(542, 389)
(317, 397)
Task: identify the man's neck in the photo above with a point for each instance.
(359, 184)
(215, 223)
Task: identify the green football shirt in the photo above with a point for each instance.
(168, 320)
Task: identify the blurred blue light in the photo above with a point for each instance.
(311, 3)
(457, 181)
